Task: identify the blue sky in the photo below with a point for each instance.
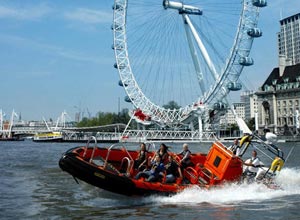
(56, 55)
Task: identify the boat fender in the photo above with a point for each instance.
(245, 139)
(277, 164)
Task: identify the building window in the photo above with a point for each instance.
(284, 121)
(290, 121)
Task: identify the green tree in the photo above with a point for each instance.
(251, 124)
(172, 105)
(105, 118)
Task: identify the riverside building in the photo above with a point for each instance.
(279, 96)
(289, 39)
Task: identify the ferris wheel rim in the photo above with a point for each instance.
(135, 93)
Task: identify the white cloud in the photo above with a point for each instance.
(89, 16)
(51, 49)
(28, 13)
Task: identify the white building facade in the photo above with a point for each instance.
(229, 118)
(249, 98)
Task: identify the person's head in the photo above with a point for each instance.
(163, 147)
(236, 141)
(185, 146)
(170, 158)
(143, 146)
(254, 153)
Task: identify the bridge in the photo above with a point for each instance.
(111, 132)
(114, 133)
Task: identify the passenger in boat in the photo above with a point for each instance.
(163, 153)
(173, 171)
(155, 173)
(253, 164)
(271, 138)
(141, 162)
(235, 147)
(186, 156)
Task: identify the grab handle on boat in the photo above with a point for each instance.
(129, 165)
(108, 153)
(87, 145)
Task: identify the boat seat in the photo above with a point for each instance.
(205, 175)
(191, 175)
(202, 181)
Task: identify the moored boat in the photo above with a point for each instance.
(112, 168)
(48, 137)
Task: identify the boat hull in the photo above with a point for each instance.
(111, 175)
(48, 140)
(107, 179)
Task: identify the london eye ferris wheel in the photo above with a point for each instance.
(188, 51)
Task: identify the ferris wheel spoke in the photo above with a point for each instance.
(202, 48)
(195, 59)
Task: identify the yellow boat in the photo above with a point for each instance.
(53, 136)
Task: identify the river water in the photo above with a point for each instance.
(32, 186)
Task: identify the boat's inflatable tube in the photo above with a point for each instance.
(277, 164)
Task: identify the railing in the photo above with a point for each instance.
(87, 146)
(144, 135)
(126, 136)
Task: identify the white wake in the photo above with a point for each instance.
(288, 179)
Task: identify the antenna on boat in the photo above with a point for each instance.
(289, 154)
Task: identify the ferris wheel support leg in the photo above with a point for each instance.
(200, 127)
(127, 125)
(194, 57)
(202, 47)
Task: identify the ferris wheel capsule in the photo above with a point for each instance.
(116, 47)
(120, 66)
(117, 7)
(246, 61)
(116, 26)
(260, 3)
(220, 106)
(121, 83)
(234, 86)
(254, 32)
(127, 99)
